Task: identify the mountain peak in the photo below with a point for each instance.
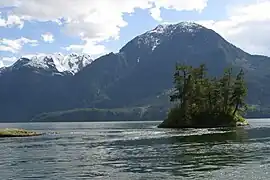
(163, 32)
(172, 28)
(169, 29)
(57, 62)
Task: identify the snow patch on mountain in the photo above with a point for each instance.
(41, 62)
(168, 29)
(154, 37)
(72, 63)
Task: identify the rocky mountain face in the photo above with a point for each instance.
(139, 75)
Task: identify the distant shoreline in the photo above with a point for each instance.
(5, 122)
(104, 121)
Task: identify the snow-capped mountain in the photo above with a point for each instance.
(137, 76)
(153, 38)
(169, 29)
(71, 63)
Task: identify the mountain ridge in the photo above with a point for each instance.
(57, 62)
(139, 75)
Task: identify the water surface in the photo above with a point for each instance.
(136, 150)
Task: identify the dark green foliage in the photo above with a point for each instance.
(205, 102)
(238, 94)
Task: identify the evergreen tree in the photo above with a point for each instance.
(239, 92)
(206, 100)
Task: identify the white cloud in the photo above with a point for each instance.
(2, 22)
(247, 27)
(29, 56)
(155, 13)
(95, 20)
(11, 21)
(7, 61)
(14, 46)
(8, 3)
(90, 47)
(180, 5)
(1, 64)
(14, 20)
(48, 37)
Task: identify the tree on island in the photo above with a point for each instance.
(202, 101)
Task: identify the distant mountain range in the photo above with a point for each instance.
(132, 84)
(55, 63)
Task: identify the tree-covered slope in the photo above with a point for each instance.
(206, 102)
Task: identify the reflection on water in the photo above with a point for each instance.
(136, 150)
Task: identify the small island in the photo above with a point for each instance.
(204, 102)
(17, 133)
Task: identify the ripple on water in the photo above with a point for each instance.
(137, 151)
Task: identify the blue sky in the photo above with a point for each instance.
(96, 27)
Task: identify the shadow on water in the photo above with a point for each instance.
(186, 155)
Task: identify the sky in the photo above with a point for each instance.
(97, 27)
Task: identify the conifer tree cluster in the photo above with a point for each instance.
(204, 101)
